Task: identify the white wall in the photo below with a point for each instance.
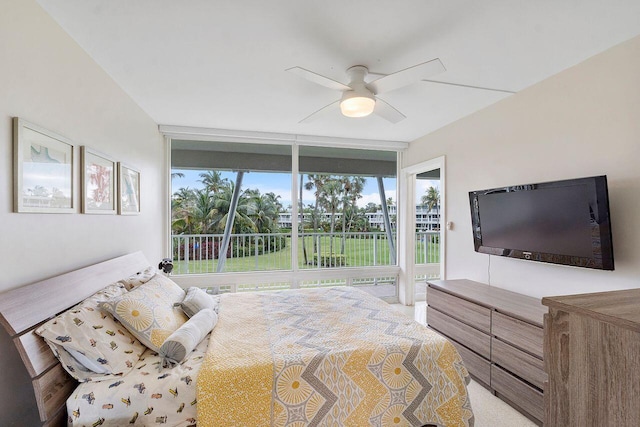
(47, 79)
(584, 121)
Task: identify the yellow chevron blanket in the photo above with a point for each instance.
(327, 357)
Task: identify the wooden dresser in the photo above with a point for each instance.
(499, 335)
(592, 353)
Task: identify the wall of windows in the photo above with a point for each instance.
(248, 216)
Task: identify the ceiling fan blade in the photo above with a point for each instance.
(469, 86)
(407, 76)
(318, 79)
(316, 114)
(387, 112)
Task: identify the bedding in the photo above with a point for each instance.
(85, 330)
(147, 396)
(336, 356)
(148, 311)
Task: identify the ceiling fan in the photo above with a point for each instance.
(361, 98)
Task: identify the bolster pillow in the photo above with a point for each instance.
(182, 342)
(195, 300)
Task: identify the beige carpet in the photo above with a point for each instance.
(489, 411)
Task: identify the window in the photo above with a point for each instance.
(290, 212)
(240, 188)
(342, 214)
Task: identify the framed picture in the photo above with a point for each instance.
(42, 170)
(98, 183)
(128, 190)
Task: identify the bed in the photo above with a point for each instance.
(332, 356)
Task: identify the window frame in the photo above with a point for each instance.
(296, 275)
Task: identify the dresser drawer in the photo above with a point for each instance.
(522, 395)
(460, 332)
(468, 312)
(520, 363)
(478, 367)
(521, 334)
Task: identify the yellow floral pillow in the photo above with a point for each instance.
(147, 311)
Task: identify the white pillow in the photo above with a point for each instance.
(182, 342)
(95, 334)
(139, 278)
(86, 362)
(197, 299)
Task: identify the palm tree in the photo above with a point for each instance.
(274, 199)
(353, 186)
(203, 212)
(431, 199)
(355, 192)
(212, 180)
(222, 202)
(316, 182)
(331, 199)
(263, 211)
(177, 175)
(181, 204)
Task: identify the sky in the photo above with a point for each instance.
(280, 184)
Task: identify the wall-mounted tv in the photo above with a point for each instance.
(561, 222)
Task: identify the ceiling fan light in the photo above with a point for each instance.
(357, 105)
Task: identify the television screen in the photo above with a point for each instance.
(562, 222)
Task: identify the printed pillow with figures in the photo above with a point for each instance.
(92, 335)
(139, 278)
(148, 310)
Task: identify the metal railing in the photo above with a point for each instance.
(199, 253)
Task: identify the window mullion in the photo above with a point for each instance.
(294, 211)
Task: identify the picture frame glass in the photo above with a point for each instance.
(99, 183)
(47, 172)
(129, 191)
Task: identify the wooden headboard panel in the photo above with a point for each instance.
(23, 309)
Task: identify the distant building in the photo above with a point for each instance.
(426, 220)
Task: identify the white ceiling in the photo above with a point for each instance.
(220, 64)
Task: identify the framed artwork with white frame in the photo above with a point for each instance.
(43, 166)
(128, 190)
(98, 183)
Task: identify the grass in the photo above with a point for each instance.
(357, 252)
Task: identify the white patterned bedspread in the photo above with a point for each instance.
(144, 397)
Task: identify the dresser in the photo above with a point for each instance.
(499, 335)
(592, 353)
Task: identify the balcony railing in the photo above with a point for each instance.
(199, 253)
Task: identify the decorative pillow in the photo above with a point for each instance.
(76, 369)
(139, 278)
(187, 337)
(148, 312)
(95, 334)
(86, 362)
(197, 299)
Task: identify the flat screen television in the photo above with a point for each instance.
(561, 222)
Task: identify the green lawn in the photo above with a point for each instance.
(357, 252)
